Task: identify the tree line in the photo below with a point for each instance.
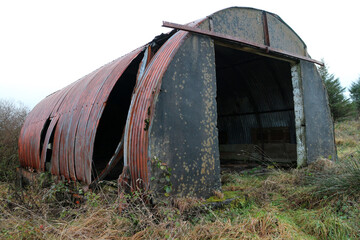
(341, 107)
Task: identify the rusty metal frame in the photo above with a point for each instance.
(266, 29)
(221, 36)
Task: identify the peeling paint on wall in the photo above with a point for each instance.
(299, 115)
(186, 115)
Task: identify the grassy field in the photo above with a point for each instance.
(321, 201)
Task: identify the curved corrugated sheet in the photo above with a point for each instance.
(71, 115)
(140, 114)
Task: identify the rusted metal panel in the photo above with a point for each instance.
(136, 139)
(29, 139)
(139, 117)
(74, 113)
(266, 29)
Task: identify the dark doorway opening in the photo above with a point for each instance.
(49, 149)
(49, 143)
(112, 123)
(255, 107)
(109, 135)
(43, 134)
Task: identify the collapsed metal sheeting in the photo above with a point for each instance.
(66, 122)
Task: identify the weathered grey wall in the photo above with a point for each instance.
(283, 37)
(318, 121)
(183, 133)
(244, 23)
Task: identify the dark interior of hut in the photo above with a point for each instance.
(255, 107)
(109, 134)
(110, 130)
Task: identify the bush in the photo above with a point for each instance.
(12, 117)
(343, 180)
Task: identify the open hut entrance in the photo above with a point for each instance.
(255, 107)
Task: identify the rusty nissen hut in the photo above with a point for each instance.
(237, 87)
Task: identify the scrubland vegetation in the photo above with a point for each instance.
(12, 116)
(321, 201)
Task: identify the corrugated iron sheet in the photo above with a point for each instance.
(136, 134)
(140, 114)
(71, 115)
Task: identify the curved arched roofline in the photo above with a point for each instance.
(261, 10)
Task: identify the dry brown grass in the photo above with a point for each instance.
(347, 137)
(278, 205)
(138, 221)
(272, 210)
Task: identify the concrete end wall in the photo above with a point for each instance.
(183, 133)
(318, 121)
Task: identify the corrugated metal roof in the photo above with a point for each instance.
(72, 115)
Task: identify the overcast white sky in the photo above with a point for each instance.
(46, 45)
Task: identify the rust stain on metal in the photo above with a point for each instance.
(143, 103)
(266, 29)
(136, 138)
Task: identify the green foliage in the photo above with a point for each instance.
(92, 199)
(340, 106)
(162, 177)
(12, 117)
(355, 94)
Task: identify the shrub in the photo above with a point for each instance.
(12, 117)
(343, 180)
